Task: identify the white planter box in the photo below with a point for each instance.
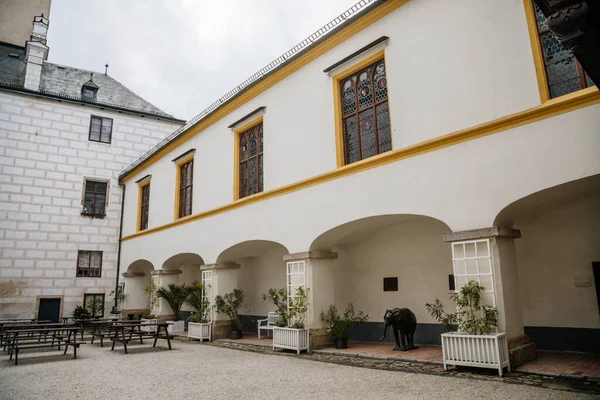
(484, 351)
(175, 326)
(291, 339)
(149, 328)
(115, 316)
(199, 330)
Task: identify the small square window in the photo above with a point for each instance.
(94, 303)
(100, 129)
(94, 199)
(390, 284)
(89, 264)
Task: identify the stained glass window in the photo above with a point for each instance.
(145, 206)
(365, 113)
(565, 75)
(251, 161)
(186, 184)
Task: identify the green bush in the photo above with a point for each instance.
(337, 325)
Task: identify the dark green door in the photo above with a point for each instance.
(49, 310)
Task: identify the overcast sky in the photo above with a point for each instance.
(181, 55)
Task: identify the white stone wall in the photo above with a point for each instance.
(44, 156)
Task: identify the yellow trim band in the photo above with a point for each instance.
(551, 108)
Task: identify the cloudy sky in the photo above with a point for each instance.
(182, 55)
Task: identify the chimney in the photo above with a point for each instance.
(36, 52)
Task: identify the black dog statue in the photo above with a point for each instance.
(403, 320)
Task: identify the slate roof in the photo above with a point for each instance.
(65, 82)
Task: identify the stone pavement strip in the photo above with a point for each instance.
(571, 384)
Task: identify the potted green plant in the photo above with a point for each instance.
(80, 312)
(199, 326)
(119, 296)
(229, 304)
(279, 299)
(469, 339)
(293, 336)
(337, 325)
(175, 296)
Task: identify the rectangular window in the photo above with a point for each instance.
(94, 198)
(366, 129)
(472, 261)
(94, 303)
(89, 264)
(144, 206)
(100, 129)
(186, 183)
(564, 74)
(251, 160)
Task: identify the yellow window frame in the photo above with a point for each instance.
(236, 155)
(141, 186)
(339, 130)
(178, 165)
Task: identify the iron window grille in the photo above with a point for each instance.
(564, 74)
(365, 113)
(89, 264)
(186, 184)
(144, 207)
(100, 129)
(251, 161)
(94, 303)
(94, 199)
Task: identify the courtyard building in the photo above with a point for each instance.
(386, 160)
(65, 135)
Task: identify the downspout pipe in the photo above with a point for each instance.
(122, 185)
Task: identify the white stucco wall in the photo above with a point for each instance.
(444, 74)
(413, 252)
(555, 248)
(44, 156)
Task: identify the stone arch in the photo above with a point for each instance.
(137, 278)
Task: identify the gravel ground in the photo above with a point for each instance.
(193, 371)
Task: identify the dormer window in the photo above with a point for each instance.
(89, 93)
(89, 90)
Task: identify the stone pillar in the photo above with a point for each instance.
(166, 277)
(224, 280)
(319, 293)
(506, 287)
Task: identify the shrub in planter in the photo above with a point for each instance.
(337, 325)
(279, 299)
(471, 315)
(199, 302)
(229, 304)
(468, 340)
(119, 296)
(293, 336)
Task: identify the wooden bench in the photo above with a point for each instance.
(268, 323)
(19, 339)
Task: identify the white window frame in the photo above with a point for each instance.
(207, 281)
(476, 276)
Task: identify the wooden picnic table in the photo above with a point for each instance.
(22, 339)
(4, 329)
(121, 329)
(100, 329)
